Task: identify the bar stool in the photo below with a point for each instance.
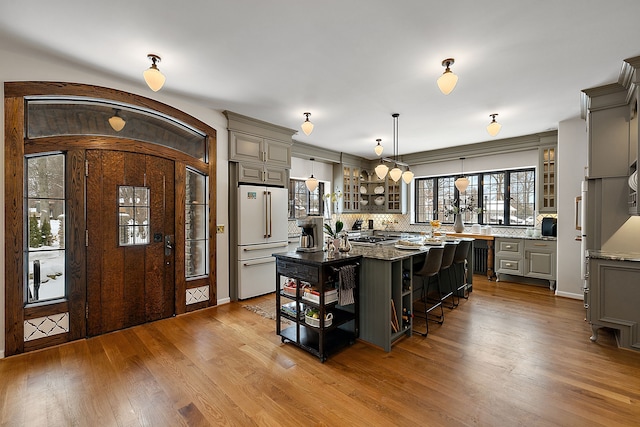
(449, 285)
(459, 264)
(429, 270)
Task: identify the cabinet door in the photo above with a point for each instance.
(244, 147)
(539, 264)
(274, 175)
(252, 173)
(277, 153)
(547, 179)
(350, 188)
(394, 195)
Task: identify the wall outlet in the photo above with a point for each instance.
(220, 229)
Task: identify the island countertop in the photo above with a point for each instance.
(615, 256)
(379, 252)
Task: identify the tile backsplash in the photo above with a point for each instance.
(398, 222)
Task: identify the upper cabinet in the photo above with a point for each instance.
(346, 178)
(547, 179)
(262, 150)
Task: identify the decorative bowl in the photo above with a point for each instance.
(364, 202)
(379, 200)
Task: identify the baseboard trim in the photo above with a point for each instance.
(569, 295)
(224, 301)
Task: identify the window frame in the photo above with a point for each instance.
(445, 212)
(318, 194)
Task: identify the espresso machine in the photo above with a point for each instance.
(311, 235)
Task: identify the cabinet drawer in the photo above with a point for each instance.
(510, 266)
(540, 244)
(509, 246)
(307, 273)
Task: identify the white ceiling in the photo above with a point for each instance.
(350, 63)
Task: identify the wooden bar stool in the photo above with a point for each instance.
(428, 271)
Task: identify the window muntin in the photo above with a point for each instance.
(45, 202)
(483, 201)
(55, 116)
(196, 225)
(302, 202)
(134, 215)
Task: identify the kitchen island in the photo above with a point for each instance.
(385, 287)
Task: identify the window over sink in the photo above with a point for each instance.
(303, 202)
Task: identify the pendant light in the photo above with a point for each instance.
(447, 81)
(463, 182)
(378, 148)
(494, 127)
(407, 176)
(311, 182)
(154, 78)
(381, 170)
(117, 122)
(307, 126)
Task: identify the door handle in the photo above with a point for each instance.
(168, 246)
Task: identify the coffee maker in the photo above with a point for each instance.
(311, 235)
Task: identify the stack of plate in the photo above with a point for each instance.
(633, 181)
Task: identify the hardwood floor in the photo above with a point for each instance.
(510, 355)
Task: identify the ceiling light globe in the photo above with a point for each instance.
(395, 173)
(447, 82)
(407, 176)
(462, 184)
(311, 183)
(494, 128)
(154, 78)
(378, 149)
(117, 123)
(307, 127)
(381, 170)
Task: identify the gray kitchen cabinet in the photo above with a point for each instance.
(260, 150)
(612, 298)
(547, 179)
(346, 178)
(534, 258)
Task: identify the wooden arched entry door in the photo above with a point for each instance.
(130, 239)
(133, 209)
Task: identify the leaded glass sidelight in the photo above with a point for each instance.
(133, 215)
(45, 227)
(196, 225)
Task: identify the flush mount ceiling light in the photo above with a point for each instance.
(154, 78)
(307, 126)
(494, 127)
(117, 122)
(378, 148)
(447, 81)
(463, 182)
(311, 182)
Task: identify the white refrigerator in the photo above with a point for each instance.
(262, 231)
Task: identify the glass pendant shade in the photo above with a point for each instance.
(117, 122)
(494, 127)
(154, 78)
(311, 183)
(381, 170)
(378, 148)
(307, 126)
(462, 184)
(447, 82)
(395, 173)
(407, 176)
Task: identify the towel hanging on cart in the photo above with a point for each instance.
(346, 285)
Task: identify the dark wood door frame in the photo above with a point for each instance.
(17, 146)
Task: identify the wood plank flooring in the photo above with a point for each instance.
(510, 355)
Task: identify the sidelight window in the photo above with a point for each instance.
(133, 215)
(196, 225)
(45, 232)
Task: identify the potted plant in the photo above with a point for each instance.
(331, 232)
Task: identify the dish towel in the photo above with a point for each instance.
(347, 283)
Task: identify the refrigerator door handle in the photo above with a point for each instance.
(266, 215)
(269, 212)
(269, 260)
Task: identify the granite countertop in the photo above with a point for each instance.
(615, 256)
(380, 252)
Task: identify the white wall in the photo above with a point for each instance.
(301, 169)
(573, 145)
(17, 65)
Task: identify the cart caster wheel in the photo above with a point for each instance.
(283, 340)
